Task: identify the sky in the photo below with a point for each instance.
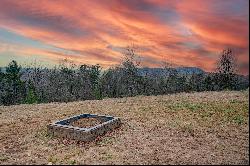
(183, 32)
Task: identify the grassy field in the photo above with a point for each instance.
(184, 128)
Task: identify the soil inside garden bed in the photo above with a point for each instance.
(86, 122)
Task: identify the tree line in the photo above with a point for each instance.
(68, 82)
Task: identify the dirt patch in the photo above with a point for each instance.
(86, 122)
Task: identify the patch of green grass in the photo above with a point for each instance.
(233, 101)
(107, 156)
(229, 110)
(188, 128)
(176, 106)
(174, 123)
(193, 106)
(72, 162)
(185, 105)
(145, 109)
(183, 126)
(245, 107)
(43, 134)
(52, 159)
(238, 119)
(207, 114)
(105, 141)
(226, 112)
(3, 158)
(234, 111)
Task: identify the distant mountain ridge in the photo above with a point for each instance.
(149, 71)
(161, 71)
(152, 71)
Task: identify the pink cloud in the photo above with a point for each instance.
(190, 33)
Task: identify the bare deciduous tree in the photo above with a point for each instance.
(226, 68)
(227, 62)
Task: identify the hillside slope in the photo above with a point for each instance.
(185, 128)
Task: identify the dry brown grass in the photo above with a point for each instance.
(185, 128)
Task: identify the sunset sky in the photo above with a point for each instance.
(183, 32)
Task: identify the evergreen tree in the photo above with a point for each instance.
(14, 87)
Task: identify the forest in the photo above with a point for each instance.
(69, 82)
